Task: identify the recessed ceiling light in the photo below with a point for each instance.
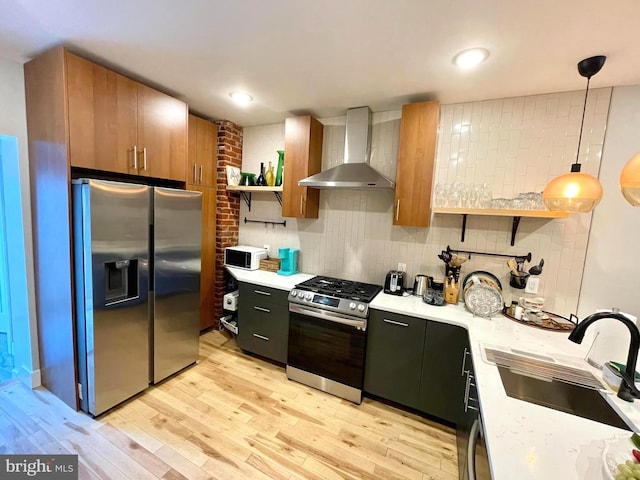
(471, 57)
(241, 98)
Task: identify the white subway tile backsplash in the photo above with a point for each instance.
(514, 144)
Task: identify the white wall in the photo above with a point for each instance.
(13, 121)
(516, 145)
(613, 255)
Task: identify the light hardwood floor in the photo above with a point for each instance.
(231, 416)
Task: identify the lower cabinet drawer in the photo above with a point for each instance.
(264, 330)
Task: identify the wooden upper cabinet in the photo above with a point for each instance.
(202, 158)
(119, 125)
(302, 158)
(102, 117)
(416, 157)
(162, 135)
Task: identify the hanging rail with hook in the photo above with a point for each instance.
(518, 258)
(266, 222)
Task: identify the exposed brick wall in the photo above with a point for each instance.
(228, 204)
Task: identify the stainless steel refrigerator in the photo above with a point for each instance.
(137, 273)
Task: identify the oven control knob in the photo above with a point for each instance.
(308, 296)
(294, 293)
(352, 306)
(361, 308)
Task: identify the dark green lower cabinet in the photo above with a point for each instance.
(443, 381)
(263, 321)
(394, 356)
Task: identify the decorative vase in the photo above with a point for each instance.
(261, 182)
(270, 176)
(280, 170)
(248, 180)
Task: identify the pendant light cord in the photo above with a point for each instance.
(584, 109)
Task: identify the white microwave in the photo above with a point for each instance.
(244, 257)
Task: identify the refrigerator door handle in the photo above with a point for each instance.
(120, 302)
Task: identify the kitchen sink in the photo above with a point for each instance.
(566, 389)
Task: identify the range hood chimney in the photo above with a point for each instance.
(355, 172)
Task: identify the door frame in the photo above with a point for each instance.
(5, 292)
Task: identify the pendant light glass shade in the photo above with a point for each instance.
(630, 181)
(574, 192)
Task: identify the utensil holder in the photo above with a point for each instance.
(519, 279)
(455, 271)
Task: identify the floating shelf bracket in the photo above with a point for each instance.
(464, 227)
(246, 193)
(514, 228)
(246, 196)
(266, 222)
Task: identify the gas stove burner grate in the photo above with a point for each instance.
(362, 292)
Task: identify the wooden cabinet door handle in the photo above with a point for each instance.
(200, 173)
(397, 209)
(144, 159)
(301, 204)
(194, 173)
(135, 157)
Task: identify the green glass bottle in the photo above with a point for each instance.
(280, 167)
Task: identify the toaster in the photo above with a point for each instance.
(394, 283)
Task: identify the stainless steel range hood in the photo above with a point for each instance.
(355, 172)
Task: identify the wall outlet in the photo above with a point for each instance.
(402, 267)
(532, 285)
(266, 247)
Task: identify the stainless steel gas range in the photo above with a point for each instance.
(327, 335)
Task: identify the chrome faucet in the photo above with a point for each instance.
(628, 390)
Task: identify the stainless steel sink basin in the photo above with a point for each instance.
(562, 388)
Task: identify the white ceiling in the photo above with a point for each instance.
(324, 56)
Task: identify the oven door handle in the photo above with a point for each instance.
(330, 316)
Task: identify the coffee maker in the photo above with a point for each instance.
(288, 261)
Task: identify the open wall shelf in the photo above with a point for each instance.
(516, 214)
(247, 191)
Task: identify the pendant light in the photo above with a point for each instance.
(576, 192)
(630, 181)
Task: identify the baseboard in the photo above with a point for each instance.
(30, 379)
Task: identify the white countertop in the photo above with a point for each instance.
(268, 279)
(524, 440)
